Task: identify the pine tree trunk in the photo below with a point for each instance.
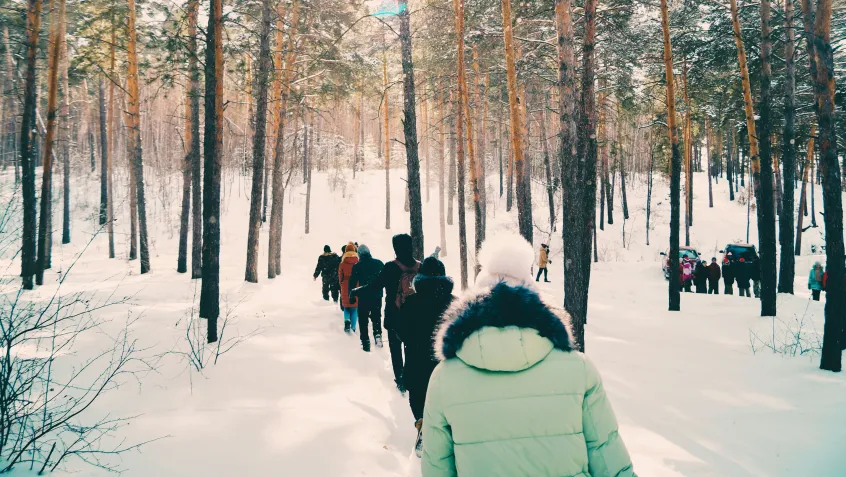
(603, 158)
(212, 150)
(441, 163)
(452, 165)
(9, 124)
(730, 173)
(136, 157)
(111, 145)
(567, 119)
(787, 266)
(310, 168)
(386, 117)
(580, 202)
(410, 132)
(356, 134)
(28, 255)
(461, 109)
(649, 191)
(515, 104)
(65, 136)
(803, 204)
(687, 158)
(474, 178)
(710, 156)
(675, 165)
(185, 213)
(106, 169)
(623, 184)
(259, 146)
(46, 209)
(550, 186)
(196, 157)
(822, 59)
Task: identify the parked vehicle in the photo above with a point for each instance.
(740, 253)
(688, 253)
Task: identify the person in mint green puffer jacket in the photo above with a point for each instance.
(511, 397)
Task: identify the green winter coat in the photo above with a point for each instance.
(512, 399)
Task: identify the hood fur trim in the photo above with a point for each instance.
(503, 305)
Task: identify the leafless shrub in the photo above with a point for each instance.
(788, 338)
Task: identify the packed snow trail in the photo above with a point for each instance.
(301, 397)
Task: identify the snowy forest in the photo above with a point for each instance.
(171, 171)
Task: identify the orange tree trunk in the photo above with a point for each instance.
(458, 7)
(524, 201)
(134, 115)
(675, 164)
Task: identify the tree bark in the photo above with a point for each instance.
(787, 268)
(566, 117)
(474, 179)
(524, 198)
(803, 205)
(675, 165)
(111, 145)
(458, 6)
(106, 169)
(387, 130)
(134, 117)
(687, 159)
(580, 202)
(441, 163)
(185, 214)
(822, 57)
(65, 134)
(46, 212)
(259, 146)
(710, 158)
(28, 265)
(550, 186)
(212, 150)
(452, 166)
(410, 132)
(196, 157)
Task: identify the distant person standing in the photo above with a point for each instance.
(741, 276)
(327, 266)
(543, 262)
(700, 277)
(728, 274)
(755, 275)
(714, 277)
(349, 304)
(815, 280)
(686, 274)
(370, 303)
(397, 278)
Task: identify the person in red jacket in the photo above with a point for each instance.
(350, 304)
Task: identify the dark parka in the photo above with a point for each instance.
(364, 273)
(327, 266)
(420, 317)
(714, 275)
(700, 275)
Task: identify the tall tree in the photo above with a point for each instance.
(213, 151)
(65, 133)
(439, 104)
(580, 202)
(106, 169)
(675, 164)
(259, 140)
(386, 118)
(787, 268)
(409, 123)
(524, 197)
(803, 206)
(27, 159)
(46, 212)
(567, 135)
(822, 74)
(460, 109)
(134, 126)
(196, 158)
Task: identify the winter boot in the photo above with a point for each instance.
(418, 446)
(365, 345)
(378, 339)
(347, 329)
(400, 386)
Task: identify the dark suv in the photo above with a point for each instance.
(740, 253)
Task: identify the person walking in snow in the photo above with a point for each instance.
(327, 266)
(815, 280)
(348, 303)
(397, 279)
(543, 262)
(741, 276)
(419, 319)
(700, 277)
(728, 274)
(512, 396)
(714, 277)
(369, 304)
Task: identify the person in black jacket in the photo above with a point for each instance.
(714, 276)
(391, 277)
(728, 274)
(700, 277)
(419, 319)
(327, 265)
(742, 274)
(370, 303)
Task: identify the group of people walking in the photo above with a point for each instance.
(706, 278)
(492, 377)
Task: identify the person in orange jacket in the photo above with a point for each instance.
(349, 304)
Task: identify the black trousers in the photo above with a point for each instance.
(816, 294)
(714, 288)
(545, 277)
(395, 345)
(334, 287)
(369, 312)
(729, 290)
(701, 288)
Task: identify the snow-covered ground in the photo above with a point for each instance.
(697, 393)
